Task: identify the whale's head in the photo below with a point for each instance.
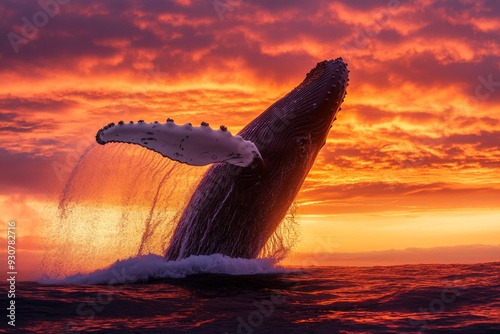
(304, 115)
(320, 95)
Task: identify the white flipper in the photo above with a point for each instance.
(195, 146)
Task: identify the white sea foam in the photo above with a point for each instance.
(147, 267)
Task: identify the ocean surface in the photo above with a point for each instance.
(216, 294)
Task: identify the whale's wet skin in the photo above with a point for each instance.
(256, 175)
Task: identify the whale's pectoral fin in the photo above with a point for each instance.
(192, 145)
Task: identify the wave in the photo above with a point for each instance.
(149, 267)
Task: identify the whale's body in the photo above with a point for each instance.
(237, 206)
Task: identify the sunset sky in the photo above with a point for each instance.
(413, 160)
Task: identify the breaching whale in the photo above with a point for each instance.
(256, 174)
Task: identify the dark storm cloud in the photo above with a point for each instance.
(14, 105)
(29, 115)
(483, 140)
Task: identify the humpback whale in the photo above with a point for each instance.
(255, 175)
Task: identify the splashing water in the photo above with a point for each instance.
(148, 267)
(123, 202)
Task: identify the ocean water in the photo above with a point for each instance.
(216, 294)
